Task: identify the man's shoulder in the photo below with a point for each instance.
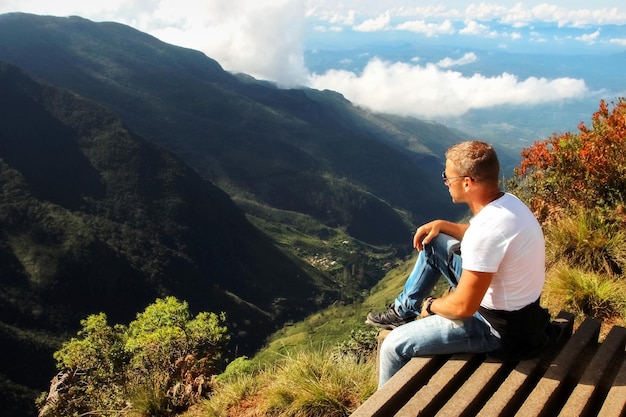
(509, 216)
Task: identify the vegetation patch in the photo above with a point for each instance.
(312, 383)
(155, 366)
(575, 182)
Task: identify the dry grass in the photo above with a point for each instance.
(307, 384)
(586, 294)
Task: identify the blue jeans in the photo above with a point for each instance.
(433, 334)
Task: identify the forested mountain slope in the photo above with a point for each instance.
(95, 218)
(301, 150)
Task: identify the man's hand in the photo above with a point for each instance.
(464, 301)
(425, 233)
(426, 306)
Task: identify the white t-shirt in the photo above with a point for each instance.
(505, 238)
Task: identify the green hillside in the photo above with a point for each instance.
(95, 218)
(299, 150)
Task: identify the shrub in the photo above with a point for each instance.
(154, 367)
(91, 376)
(240, 366)
(361, 345)
(585, 169)
(576, 185)
(171, 354)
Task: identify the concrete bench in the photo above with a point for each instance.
(577, 376)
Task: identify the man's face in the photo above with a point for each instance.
(454, 181)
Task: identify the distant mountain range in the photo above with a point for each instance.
(132, 169)
(599, 64)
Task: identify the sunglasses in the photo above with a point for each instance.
(446, 179)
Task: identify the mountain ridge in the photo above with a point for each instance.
(249, 138)
(119, 223)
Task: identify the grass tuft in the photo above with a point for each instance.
(589, 241)
(584, 292)
(312, 383)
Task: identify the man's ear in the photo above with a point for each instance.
(467, 183)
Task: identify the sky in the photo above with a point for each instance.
(268, 39)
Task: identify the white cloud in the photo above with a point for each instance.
(428, 29)
(428, 91)
(106, 10)
(618, 41)
(320, 28)
(430, 12)
(346, 20)
(522, 14)
(586, 17)
(564, 16)
(519, 16)
(468, 58)
(263, 40)
(372, 25)
(485, 11)
(590, 38)
(472, 27)
(513, 12)
(538, 37)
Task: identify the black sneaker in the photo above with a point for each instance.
(388, 319)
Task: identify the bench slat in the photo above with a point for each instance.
(441, 386)
(394, 394)
(541, 399)
(468, 399)
(515, 388)
(582, 397)
(615, 401)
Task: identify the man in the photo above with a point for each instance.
(495, 265)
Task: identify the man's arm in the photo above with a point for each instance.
(465, 299)
(425, 233)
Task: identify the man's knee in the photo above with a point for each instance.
(442, 245)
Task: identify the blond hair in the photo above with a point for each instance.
(475, 159)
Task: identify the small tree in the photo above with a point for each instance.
(171, 355)
(585, 169)
(91, 371)
(155, 366)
